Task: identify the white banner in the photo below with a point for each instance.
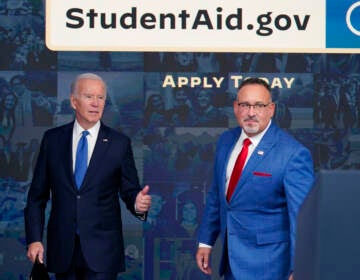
(201, 25)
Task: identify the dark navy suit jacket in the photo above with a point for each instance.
(93, 211)
(259, 222)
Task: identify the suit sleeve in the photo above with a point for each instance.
(298, 180)
(38, 196)
(130, 186)
(210, 223)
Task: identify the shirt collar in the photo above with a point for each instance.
(92, 131)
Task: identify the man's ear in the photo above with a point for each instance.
(73, 101)
(273, 109)
(235, 106)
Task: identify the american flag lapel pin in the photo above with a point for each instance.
(260, 153)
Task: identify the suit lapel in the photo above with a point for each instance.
(66, 146)
(101, 145)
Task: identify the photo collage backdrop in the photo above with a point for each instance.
(173, 128)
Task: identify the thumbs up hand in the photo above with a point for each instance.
(143, 200)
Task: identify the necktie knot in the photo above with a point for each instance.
(247, 142)
(85, 133)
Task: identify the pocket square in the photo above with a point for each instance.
(263, 174)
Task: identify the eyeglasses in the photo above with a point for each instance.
(258, 107)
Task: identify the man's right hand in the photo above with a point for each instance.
(35, 249)
(203, 259)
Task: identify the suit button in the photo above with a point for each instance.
(78, 197)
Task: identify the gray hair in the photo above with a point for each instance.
(90, 76)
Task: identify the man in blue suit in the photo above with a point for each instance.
(84, 231)
(257, 223)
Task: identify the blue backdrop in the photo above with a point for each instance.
(174, 130)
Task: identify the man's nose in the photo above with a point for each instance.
(252, 111)
(95, 102)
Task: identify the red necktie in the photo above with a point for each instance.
(239, 164)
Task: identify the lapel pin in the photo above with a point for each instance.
(260, 153)
(105, 140)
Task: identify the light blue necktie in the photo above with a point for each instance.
(81, 159)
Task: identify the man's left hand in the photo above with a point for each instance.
(143, 200)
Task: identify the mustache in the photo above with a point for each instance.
(251, 119)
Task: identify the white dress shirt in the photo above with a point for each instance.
(91, 138)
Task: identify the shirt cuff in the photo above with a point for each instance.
(141, 215)
(203, 245)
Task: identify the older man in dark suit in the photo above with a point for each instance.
(83, 166)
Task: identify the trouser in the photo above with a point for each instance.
(79, 270)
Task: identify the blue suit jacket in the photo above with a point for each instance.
(93, 210)
(259, 222)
